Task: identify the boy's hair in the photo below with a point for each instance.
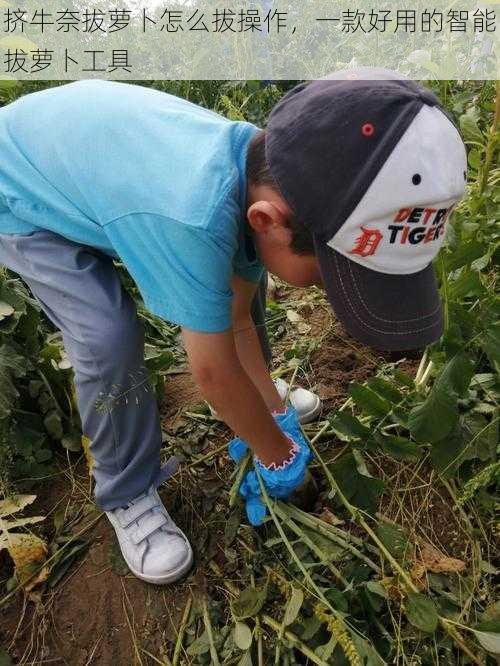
(259, 173)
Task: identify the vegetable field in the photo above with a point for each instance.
(389, 554)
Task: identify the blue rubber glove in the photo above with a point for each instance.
(288, 423)
(279, 483)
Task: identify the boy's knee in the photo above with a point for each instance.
(112, 343)
(121, 341)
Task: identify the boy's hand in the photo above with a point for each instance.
(280, 482)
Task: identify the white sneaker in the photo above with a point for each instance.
(306, 403)
(153, 547)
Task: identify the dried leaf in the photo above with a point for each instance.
(303, 328)
(86, 442)
(20, 522)
(28, 552)
(436, 562)
(429, 559)
(15, 503)
(328, 517)
(293, 316)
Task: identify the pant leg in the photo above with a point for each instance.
(259, 319)
(79, 290)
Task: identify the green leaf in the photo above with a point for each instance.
(367, 400)
(5, 310)
(242, 636)
(249, 603)
(337, 598)
(347, 426)
(64, 559)
(159, 361)
(467, 284)
(246, 659)
(362, 491)
(490, 342)
(403, 378)
(10, 295)
(293, 606)
(489, 641)
(7, 84)
(368, 654)
(447, 454)
(232, 526)
(385, 390)
(487, 632)
(421, 612)
(483, 438)
(377, 588)
(470, 128)
(53, 425)
(394, 539)
(399, 448)
(199, 646)
(435, 418)
(474, 158)
(5, 660)
(72, 442)
(309, 627)
(325, 651)
(12, 365)
(465, 254)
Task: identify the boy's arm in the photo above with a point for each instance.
(225, 384)
(248, 345)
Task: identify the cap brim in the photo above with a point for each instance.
(387, 312)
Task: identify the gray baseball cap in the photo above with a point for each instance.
(373, 166)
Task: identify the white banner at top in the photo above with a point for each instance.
(267, 39)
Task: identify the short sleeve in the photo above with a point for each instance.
(183, 272)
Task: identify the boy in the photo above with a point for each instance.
(349, 187)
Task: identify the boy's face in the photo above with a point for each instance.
(267, 215)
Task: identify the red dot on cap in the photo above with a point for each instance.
(368, 129)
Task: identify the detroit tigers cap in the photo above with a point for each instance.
(373, 166)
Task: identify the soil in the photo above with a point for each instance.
(97, 615)
(94, 613)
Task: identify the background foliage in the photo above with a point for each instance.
(348, 593)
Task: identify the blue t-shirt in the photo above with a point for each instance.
(141, 175)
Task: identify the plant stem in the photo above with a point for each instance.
(209, 455)
(208, 626)
(491, 145)
(182, 629)
(356, 516)
(271, 622)
(323, 529)
(288, 545)
(421, 367)
(311, 545)
(298, 644)
(233, 493)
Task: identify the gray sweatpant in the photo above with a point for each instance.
(79, 290)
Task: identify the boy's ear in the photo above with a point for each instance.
(263, 216)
